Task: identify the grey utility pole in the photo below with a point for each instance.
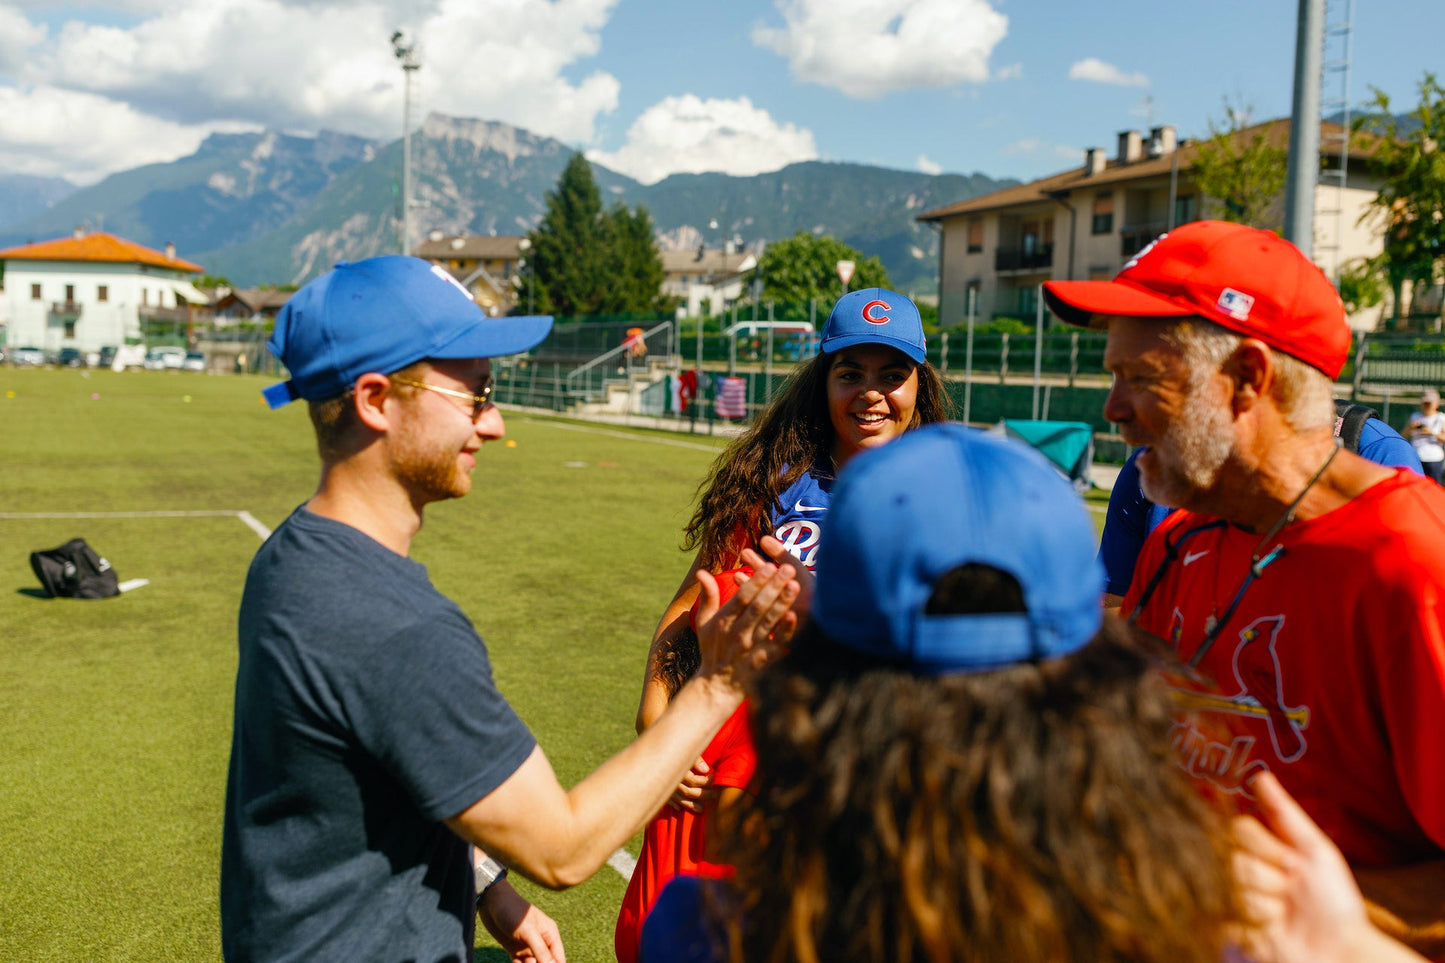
(410, 64)
(1304, 128)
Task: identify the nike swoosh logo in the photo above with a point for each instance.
(800, 507)
(1194, 556)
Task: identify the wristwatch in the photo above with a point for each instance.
(489, 873)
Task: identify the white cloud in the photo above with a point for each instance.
(1095, 70)
(868, 48)
(50, 132)
(1011, 72)
(301, 65)
(17, 36)
(928, 165)
(690, 135)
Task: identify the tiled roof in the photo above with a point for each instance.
(712, 262)
(1276, 132)
(97, 247)
(480, 246)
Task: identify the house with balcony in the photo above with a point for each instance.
(233, 305)
(487, 266)
(94, 290)
(1084, 223)
(706, 281)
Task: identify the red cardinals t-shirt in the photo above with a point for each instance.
(1330, 672)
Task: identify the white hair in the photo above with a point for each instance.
(1303, 393)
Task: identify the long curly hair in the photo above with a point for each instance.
(792, 436)
(1029, 814)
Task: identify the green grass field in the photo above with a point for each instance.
(115, 715)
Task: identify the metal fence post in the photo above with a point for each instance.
(943, 356)
(1038, 351)
(1073, 356)
(968, 357)
(1003, 360)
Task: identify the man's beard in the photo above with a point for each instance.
(1199, 442)
(432, 474)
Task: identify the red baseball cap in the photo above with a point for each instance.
(1250, 281)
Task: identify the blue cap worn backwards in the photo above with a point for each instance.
(381, 315)
(875, 316)
(905, 514)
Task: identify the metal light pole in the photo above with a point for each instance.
(410, 64)
(1304, 128)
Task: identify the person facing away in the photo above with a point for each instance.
(961, 757)
(371, 749)
(1299, 582)
(870, 383)
(1426, 431)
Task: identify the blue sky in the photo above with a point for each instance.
(648, 87)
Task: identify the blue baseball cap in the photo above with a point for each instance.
(875, 316)
(942, 496)
(382, 314)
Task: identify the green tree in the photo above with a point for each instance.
(1411, 201)
(805, 266)
(632, 266)
(1243, 171)
(566, 252)
(1361, 285)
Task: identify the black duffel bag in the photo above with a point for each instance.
(75, 571)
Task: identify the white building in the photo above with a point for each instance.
(706, 277)
(92, 290)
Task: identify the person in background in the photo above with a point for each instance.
(1426, 431)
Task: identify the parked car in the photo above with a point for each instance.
(128, 356)
(28, 357)
(194, 361)
(107, 356)
(159, 359)
(70, 358)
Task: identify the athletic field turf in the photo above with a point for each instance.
(115, 715)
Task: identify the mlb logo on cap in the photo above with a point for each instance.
(1235, 304)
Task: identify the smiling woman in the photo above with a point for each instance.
(870, 383)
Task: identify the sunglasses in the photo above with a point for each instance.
(480, 403)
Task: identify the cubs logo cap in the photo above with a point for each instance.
(875, 316)
(906, 514)
(382, 314)
(1250, 281)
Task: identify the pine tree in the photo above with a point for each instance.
(633, 269)
(566, 252)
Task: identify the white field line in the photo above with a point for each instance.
(695, 446)
(246, 518)
(621, 860)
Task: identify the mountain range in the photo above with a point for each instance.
(276, 208)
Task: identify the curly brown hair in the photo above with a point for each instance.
(1034, 813)
(791, 437)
